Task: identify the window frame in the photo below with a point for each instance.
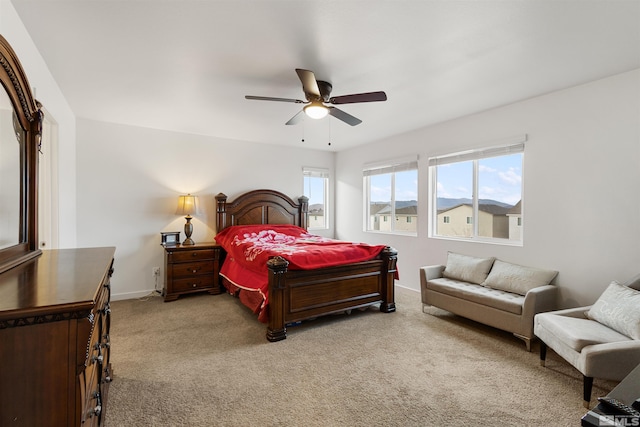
(322, 173)
(383, 168)
(509, 146)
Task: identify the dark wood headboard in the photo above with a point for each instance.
(261, 207)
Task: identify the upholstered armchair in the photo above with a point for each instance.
(600, 341)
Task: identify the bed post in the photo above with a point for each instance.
(303, 211)
(221, 214)
(390, 258)
(276, 330)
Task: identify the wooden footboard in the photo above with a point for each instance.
(296, 295)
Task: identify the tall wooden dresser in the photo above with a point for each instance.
(55, 366)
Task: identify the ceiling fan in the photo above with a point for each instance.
(318, 93)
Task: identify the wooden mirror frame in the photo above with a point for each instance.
(28, 115)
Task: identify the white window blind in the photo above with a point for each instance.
(315, 172)
(514, 145)
(389, 166)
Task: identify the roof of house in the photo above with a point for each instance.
(516, 209)
(488, 208)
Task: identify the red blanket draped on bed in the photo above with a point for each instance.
(249, 247)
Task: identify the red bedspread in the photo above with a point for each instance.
(249, 247)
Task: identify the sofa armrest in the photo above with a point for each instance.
(430, 272)
(611, 360)
(539, 300)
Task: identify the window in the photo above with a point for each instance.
(391, 191)
(477, 194)
(316, 188)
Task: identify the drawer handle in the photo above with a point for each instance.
(194, 271)
(95, 411)
(194, 254)
(195, 285)
(107, 378)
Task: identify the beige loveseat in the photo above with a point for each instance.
(497, 293)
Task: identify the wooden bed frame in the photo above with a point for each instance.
(296, 295)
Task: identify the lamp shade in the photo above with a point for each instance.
(187, 205)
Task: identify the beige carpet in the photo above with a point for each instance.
(204, 361)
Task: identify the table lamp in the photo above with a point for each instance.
(187, 205)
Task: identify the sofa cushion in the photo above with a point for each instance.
(467, 268)
(576, 332)
(505, 301)
(618, 308)
(517, 278)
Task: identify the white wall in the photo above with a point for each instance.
(581, 178)
(129, 179)
(49, 94)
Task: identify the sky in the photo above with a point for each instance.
(314, 190)
(499, 178)
(406, 186)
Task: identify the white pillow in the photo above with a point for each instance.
(517, 278)
(618, 308)
(467, 268)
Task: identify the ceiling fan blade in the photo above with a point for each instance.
(359, 97)
(345, 117)
(296, 119)
(309, 83)
(268, 98)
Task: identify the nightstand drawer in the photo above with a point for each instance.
(186, 256)
(193, 283)
(192, 269)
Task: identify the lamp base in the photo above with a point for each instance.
(188, 229)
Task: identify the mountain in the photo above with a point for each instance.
(446, 203)
(316, 207)
(405, 203)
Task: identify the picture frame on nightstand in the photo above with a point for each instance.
(170, 238)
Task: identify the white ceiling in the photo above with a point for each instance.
(186, 65)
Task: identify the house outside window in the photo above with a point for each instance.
(477, 194)
(391, 191)
(316, 188)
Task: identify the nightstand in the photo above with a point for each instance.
(190, 269)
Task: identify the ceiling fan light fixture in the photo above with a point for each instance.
(316, 110)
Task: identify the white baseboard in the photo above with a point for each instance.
(407, 288)
(134, 295)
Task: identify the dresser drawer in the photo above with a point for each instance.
(193, 283)
(192, 269)
(193, 255)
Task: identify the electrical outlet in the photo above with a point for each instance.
(155, 271)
